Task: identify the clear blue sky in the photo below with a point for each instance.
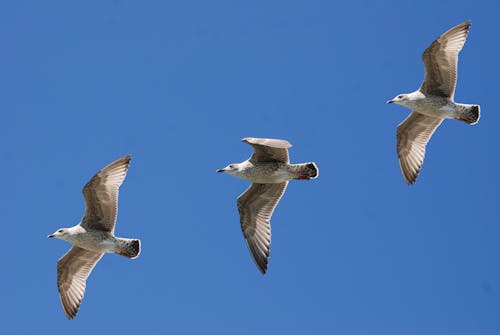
(355, 251)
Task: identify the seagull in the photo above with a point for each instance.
(269, 170)
(433, 101)
(93, 236)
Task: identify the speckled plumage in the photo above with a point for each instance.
(94, 236)
(269, 170)
(433, 101)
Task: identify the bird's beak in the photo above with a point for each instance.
(221, 170)
(390, 101)
(52, 235)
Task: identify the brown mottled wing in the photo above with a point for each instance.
(101, 196)
(256, 206)
(268, 150)
(440, 60)
(73, 270)
(413, 135)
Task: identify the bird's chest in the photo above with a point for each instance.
(267, 173)
(437, 107)
(94, 242)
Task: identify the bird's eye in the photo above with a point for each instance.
(60, 231)
(400, 96)
(231, 166)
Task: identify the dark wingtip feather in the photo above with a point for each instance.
(259, 260)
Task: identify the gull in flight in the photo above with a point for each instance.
(433, 101)
(269, 170)
(94, 236)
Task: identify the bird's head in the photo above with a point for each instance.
(401, 99)
(61, 234)
(231, 169)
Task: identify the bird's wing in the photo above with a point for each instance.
(256, 206)
(412, 136)
(73, 270)
(440, 60)
(101, 196)
(268, 150)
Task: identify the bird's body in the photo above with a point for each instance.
(98, 241)
(93, 236)
(91, 240)
(269, 173)
(435, 106)
(433, 101)
(269, 170)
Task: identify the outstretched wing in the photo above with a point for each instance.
(256, 206)
(412, 136)
(268, 150)
(101, 196)
(441, 59)
(73, 270)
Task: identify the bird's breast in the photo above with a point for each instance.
(267, 173)
(94, 241)
(434, 107)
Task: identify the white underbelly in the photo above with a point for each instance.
(97, 246)
(266, 176)
(279, 176)
(446, 111)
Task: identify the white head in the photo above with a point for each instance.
(61, 234)
(231, 169)
(402, 99)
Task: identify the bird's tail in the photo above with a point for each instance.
(468, 113)
(305, 171)
(128, 247)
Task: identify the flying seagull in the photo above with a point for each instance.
(433, 101)
(269, 170)
(94, 236)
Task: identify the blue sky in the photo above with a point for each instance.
(177, 85)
